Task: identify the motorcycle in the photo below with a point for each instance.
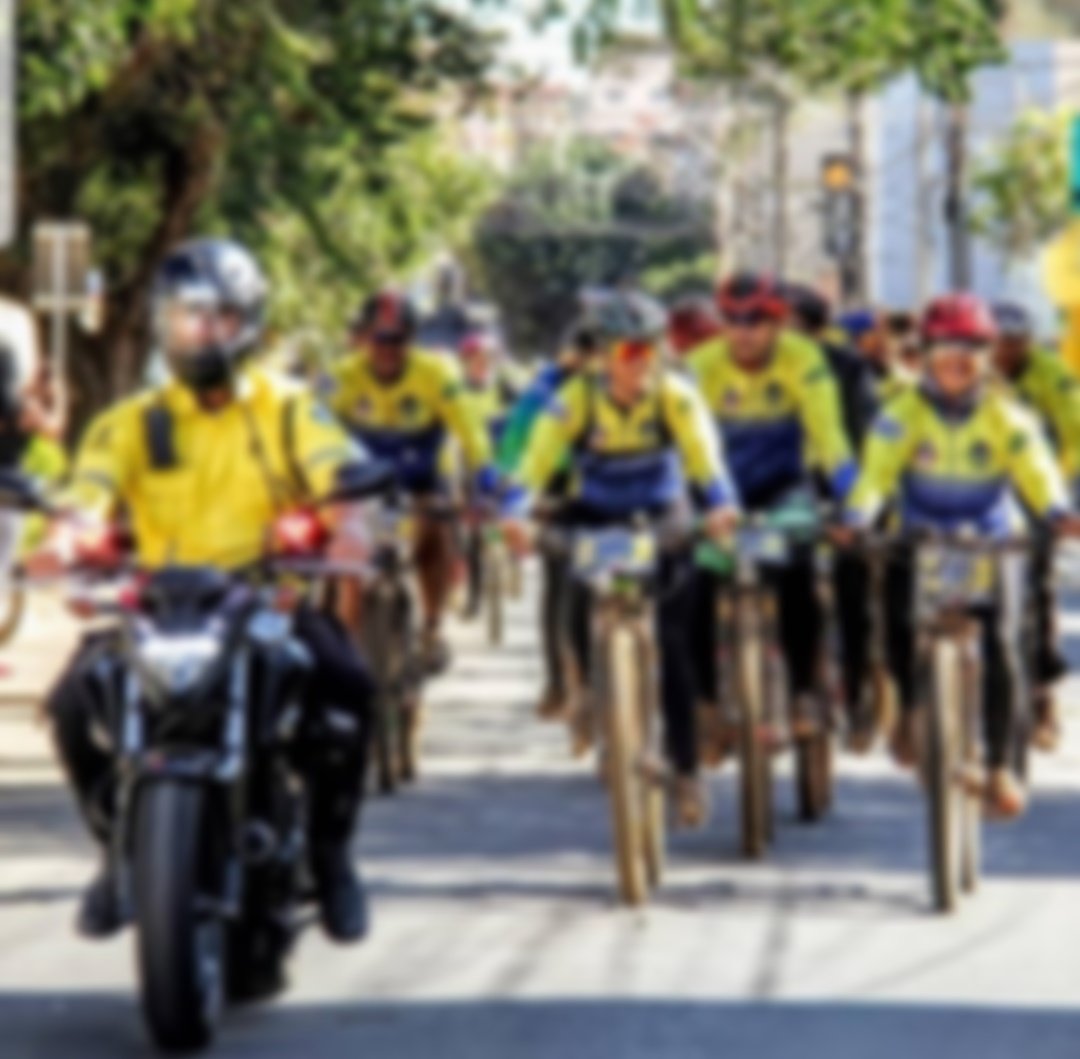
(201, 708)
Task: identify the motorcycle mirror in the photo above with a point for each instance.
(19, 492)
(358, 481)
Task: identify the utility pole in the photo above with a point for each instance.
(925, 259)
(956, 207)
(781, 181)
(855, 285)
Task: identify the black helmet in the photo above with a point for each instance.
(222, 275)
(388, 313)
(620, 315)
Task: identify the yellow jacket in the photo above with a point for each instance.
(952, 470)
(1052, 389)
(627, 460)
(233, 469)
(406, 421)
(778, 420)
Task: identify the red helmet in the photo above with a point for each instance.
(692, 322)
(388, 313)
(747, 295)
(960, 318)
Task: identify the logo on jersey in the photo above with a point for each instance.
(409, 407)
(979, 454)
(363, 407)
(889, 428)
(732, 400)
(925, 455)
(774, 393)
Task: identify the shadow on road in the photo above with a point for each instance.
(878, 826)
(107, 1027)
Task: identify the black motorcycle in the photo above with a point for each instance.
(201, 694)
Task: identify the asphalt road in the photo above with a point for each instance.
(496, 935)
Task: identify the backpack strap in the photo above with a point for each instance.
(289, 411)
(159, 437)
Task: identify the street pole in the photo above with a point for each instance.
(854, 272)
(781, 179)
(925, 263)
(956, 197)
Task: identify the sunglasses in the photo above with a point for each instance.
(633, 352)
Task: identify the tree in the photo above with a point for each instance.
(1021, 188)
(772, 50)
(151, 118)
(588, 218)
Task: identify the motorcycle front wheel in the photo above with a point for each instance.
(180, 944)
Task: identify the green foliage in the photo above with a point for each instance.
(588, 218)
(296, 123)
(1022, 189)
(765, 44)
(431, 204)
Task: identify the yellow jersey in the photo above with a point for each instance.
(623, 460)
(778, 420)
(406, 421)
(952, 470)
(232, 469)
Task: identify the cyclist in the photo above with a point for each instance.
(953, 451)
(869, 334)
(203, 464)
(776, 405)
(637, 436)
(691, 323)
(810, 315)
(491, 394)
(402, 403)
(1044, 382)
(577, 355)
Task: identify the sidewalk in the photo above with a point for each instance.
(39, 651)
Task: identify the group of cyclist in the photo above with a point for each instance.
(720, 408)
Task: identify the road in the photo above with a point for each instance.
(496, 935)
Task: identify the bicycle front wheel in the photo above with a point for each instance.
(624, 744)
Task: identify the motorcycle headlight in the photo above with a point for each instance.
(176, 664)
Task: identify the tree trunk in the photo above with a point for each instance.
(956, 198)
(111, 364)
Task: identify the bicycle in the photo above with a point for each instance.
(752, 694)
(618, 566)
(954, 575)
(391, 643)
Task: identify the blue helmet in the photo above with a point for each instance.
(858, 322)
(1013, 320)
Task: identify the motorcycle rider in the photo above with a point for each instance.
(775, 403)
(954, 451)
(402, 403)
(203, 464)
(637, 437)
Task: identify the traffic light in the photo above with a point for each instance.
(840, 206)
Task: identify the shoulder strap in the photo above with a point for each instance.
(589, 382)
(158, 435)
(289, 411)
(667, 434)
